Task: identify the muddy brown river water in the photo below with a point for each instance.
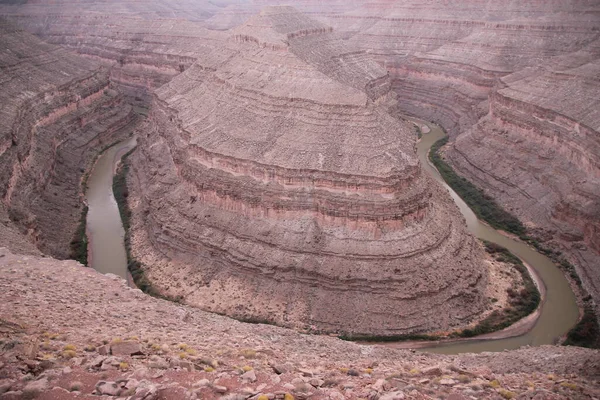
(558, 314)
(106, 250)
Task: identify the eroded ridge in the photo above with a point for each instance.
(289, 194)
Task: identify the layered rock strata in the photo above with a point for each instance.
(448, 61)
(58, 110)
(272, 184)
(555, 185)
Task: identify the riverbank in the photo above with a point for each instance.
(514, 315)
(558, 313)
(586, 332)
(134, 268)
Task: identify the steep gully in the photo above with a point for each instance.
(558, 313)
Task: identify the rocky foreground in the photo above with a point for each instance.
(69, 332)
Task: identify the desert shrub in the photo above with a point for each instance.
(586, 332)
(522, 302)
(79, 243)
(121, 193)
(482, 205)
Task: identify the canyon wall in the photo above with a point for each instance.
(551, 179)
(271, 184)
(513, 82)
(58, 110)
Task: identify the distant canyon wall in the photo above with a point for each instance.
(58, 111)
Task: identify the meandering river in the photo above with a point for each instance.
(559, 311)
(106, 251)
(558, 314)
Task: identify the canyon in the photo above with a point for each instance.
(276, 180)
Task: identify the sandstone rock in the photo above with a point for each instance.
(13, 395)
(183, 364)
(5, 386)
(202, 383)
(235, 396)
(96, 362)
(158, 362)
(36, 387)
(126, 348)
(456, 396)
(109, 388)
(433, 371)
(380, 385)
(305, 372)
(146, 391)
(249, 376)
(447, 382)
(316, 382)
(279, 368)
(219, 388)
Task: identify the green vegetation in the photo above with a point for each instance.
(522, 302)
(121, 193)
(482, 205)
(79, 244)
(586, 333)
(419, 132)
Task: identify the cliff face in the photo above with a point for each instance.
(516, 85)
(57, 111)
(555, 185)
(140, 54)
(288, 193)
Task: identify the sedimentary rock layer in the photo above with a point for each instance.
(451, 62)
(272, 184)
(553, 180)
(58, 110)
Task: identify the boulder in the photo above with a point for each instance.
(126, 348)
